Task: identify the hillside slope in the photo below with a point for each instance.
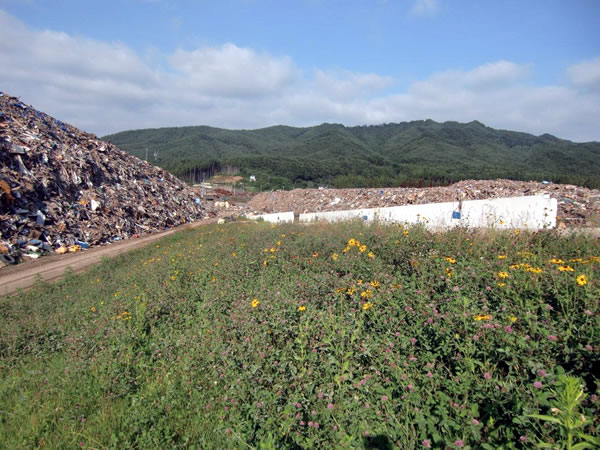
(377, 155)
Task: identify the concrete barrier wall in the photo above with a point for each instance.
(283, 217)
(532, 213)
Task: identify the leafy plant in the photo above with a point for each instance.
(567, 415)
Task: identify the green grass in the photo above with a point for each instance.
(348, 346)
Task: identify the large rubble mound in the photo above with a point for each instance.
(577, 206)
(61, 188)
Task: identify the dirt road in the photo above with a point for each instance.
(51, 268)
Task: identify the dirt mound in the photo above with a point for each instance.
(577, 206)
(62, 187)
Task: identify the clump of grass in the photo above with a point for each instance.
(251, 335)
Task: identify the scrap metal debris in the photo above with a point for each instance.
(62, 189)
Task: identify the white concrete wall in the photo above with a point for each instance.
(533, 213)
(283, 217)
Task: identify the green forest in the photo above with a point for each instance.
(417, 153)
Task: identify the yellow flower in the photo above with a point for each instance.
(582, 280)
(359, 281)
(565, 269)
(501, 256)
(352, 242)
(556, 261)
(449, 272)
(172, 277)
(302, 308)
(346, 249)
(335, 256)
(255, 303)
(371, 255)
(340, 290)
(576, 260)
(500, 284)
(350, 291)
(534, 269)
(366, 294)
(450, 259)
(93, 309)
(367, 306)
(514, 266)
(362, 248)
(265, 263)
(405, 232)
(375, 284)
(278, 243)
(513, 319)
(482, 317)
(503, 274)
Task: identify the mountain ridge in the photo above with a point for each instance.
(367, 155)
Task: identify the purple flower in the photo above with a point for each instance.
(459, 443)
(316, 425)
(538, 384)
(487, 376)
(523, 438)
(541, 373)
(330, 406)
(588, 312)
(475, 422)
(426, 443)
(384, 398)
(429, 374)
(310, 424)
(589, 348)
(552, 338)
(455, 289)
(320, 395)
(508, 329)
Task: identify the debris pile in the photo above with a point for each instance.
(577, 206)
(62, 189)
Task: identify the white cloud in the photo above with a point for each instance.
(586, 73)
(425, 7)
(104, 87)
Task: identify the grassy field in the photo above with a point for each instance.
(345, 336)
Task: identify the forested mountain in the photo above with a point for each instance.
(395, 154)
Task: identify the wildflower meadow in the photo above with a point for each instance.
(250, 335)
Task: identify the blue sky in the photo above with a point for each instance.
(118, 64)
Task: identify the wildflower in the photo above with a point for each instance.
(502, 256)
(346, 249)
(556, 261)
(534, 269)
(475, 422)
(375, 284)
(565, 269)
(514, 266)
(541, 373)
(487, 376)
(508, 329)
(582, 280)
(340, 290)
(362, 248)
(426, 443)
(503, 275)
(538, 385)
(552, 338)
(172, 277)
(460, 442)
(500, 284)
(315, 255)
(450, 259)
(350, 291)
(482, 317)
(513, 319)
(384, 398)
(301, 308)
(93, 309)
(366, 294)
(335, 256)
(367, 306)
(330, 406)
(371, 255)
(255, 303)
(405, 232)
(576, 260)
